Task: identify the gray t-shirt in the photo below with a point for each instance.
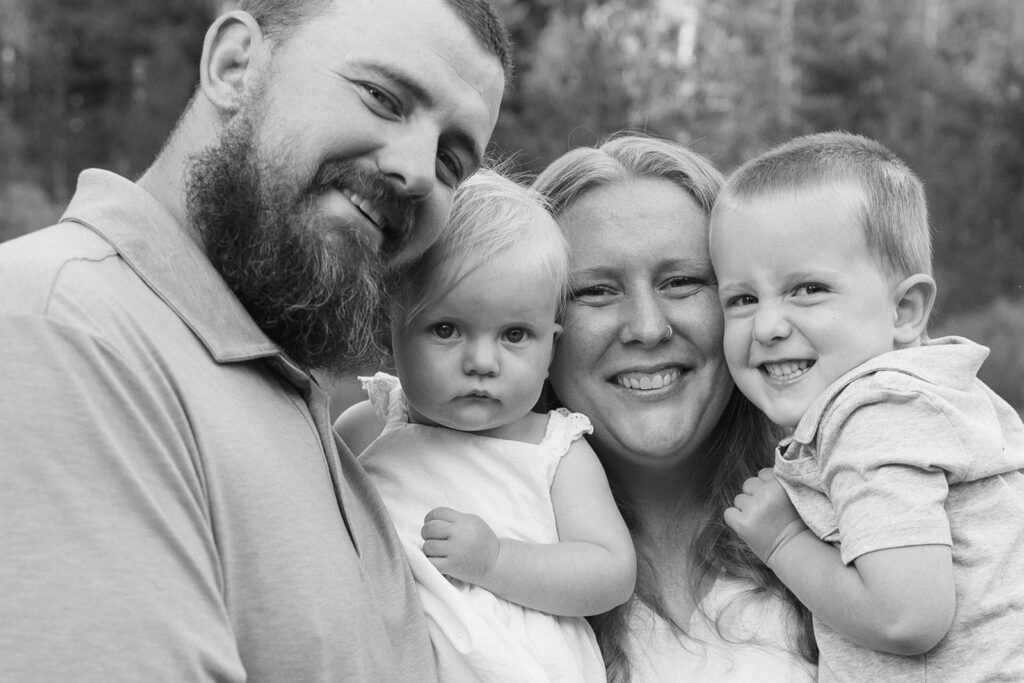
(908, 449)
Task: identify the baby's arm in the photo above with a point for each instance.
(898, 600)
(358, 426)
(590, 570)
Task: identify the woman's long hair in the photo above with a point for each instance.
(740, 445)
(742, 442)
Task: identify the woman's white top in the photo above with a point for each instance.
(766, 625)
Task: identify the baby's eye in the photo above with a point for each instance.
(444, 330)
(515, 334)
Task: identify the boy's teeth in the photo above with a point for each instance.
(787, 369)
(639, 380)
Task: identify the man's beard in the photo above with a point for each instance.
(320, 293)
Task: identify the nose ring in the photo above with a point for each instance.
(669, 335)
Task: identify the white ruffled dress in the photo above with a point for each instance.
(476, 635)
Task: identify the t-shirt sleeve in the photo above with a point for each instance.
(884, 465)
(109, 564)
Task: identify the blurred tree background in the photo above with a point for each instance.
(101, 82)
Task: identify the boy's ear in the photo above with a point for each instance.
(914, 299)
(231, 60)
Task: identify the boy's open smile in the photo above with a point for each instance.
(786, 370)
(804, 298)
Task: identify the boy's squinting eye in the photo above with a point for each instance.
(809, 289)
(740, 300)
(444, 330)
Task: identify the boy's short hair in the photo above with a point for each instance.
(895, 211)
(492, 216)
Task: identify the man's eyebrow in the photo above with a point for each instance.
(420, 94)
(404, 80)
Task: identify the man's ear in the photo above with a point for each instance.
(231, 60)
(914, 299)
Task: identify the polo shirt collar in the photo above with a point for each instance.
(949, 361)
(170, 262)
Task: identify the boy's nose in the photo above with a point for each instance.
(770, 324)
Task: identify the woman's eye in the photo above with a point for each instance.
(591, 292)
(444, 330)
(683, 286)
(515, 335)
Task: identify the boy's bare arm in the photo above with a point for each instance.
(898, 600)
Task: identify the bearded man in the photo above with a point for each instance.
(175, 504)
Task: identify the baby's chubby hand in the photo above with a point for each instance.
(763, 515)
(459, 545)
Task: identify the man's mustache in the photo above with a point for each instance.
(397, 211)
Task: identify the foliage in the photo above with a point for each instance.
(93, 83)
(999, 326)
(939, 81)
(101, 83)
(25, 207)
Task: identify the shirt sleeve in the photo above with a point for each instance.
(884, 466)
(109, 567)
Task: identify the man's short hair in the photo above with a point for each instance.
(895, 211)
(279, 19)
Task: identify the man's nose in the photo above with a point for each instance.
(409, 161)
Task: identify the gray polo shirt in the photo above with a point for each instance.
(174, 504)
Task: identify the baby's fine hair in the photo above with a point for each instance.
(895, 211)
(492, 217)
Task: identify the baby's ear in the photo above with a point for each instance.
(914, 299)
(558, 333)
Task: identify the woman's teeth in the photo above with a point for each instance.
(638, 380)
(787, 369)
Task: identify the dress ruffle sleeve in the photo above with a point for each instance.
(386, 397)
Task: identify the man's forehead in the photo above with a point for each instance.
(422, 45)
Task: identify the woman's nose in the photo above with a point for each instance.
(481, 358)
(646, 323)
